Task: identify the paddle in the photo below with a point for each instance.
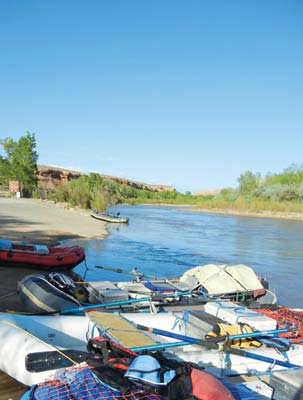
(213, 344)
(49, 360)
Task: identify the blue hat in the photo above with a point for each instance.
(147, 369)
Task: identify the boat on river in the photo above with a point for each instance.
(39, 255)
(55, 292)
(116, 218)
(46, 345)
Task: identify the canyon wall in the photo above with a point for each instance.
(49, 177)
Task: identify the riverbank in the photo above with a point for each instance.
(262, 209)
(291, 216)
(47, 222)
(36, 221)
(285, 215)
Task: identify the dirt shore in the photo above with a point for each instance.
(35, 221)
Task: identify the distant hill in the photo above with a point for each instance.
(49, 177)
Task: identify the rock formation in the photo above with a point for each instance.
(50, 177)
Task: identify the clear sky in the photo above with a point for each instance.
(187, 93)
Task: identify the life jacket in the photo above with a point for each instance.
(225, 329)
(222, 329)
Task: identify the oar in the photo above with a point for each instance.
(123, 302)
(213, 339)
(212, 344)
(134, 272)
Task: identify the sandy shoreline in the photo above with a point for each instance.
(36, 221)
(40, 221)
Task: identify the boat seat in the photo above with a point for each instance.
(41, 249)
(118, 329)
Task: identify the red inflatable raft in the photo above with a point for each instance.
(39, 256)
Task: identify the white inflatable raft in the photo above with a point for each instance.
(22, 337)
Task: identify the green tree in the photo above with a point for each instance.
(21, 161)
(248, 182)
(4, 171)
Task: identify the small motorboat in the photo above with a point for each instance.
(39, 256)
(108, 217)
(47, 293)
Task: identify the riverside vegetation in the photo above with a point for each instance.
(281, 192)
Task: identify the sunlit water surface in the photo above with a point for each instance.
(166, 241)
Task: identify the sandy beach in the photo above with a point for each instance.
(36, 221)
(46, 222)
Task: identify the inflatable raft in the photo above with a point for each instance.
(39, 256)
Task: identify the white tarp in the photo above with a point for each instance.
(217, 279)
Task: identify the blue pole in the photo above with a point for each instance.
(215, 339)
(161, 346)
(122, 302)
(189, 340)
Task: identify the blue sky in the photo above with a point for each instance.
(185, 93)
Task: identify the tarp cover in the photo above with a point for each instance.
(218, 279)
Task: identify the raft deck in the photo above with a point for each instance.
(118, 329)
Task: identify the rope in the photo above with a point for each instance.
(181, 322)
(86, 269)
(8, 294)
(38, 339)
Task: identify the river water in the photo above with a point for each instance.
(166, 241)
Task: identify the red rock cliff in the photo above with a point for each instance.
(49, 177)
